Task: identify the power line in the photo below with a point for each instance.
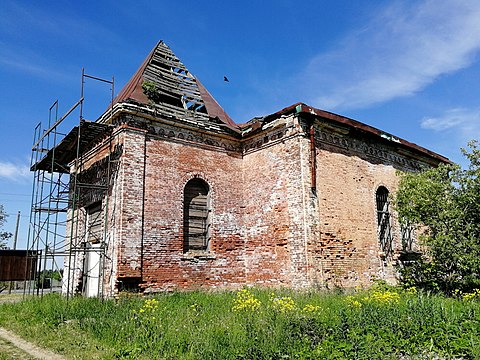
(11, 214)
(12, 194)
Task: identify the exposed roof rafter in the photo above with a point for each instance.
(173, 85)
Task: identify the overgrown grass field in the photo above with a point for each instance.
(381, 323)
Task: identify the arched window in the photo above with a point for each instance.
(384, 229)
(196, 216)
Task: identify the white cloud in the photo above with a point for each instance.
(11, 171)
(400, 51)
(32, 33)
(466, 122)
(25, 20)
(453, 130)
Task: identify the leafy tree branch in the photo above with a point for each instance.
(444, 205)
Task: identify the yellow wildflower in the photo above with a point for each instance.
(283, 304)
(411, 290)
(386, 297)
(309, 308)
(475, 294)
(245, 301)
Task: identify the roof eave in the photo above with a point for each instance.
(301, 108)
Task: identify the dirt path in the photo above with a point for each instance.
(8, 351)
(34, 351)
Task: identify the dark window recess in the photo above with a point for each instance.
(129, 284)
(94, 223)
(196, 220)
(384, 229)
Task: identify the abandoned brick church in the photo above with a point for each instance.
(185, 198)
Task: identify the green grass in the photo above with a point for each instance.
(252, 324)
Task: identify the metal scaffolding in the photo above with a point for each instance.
(58, 231)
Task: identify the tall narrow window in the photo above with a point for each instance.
(196, 216)
(407, 237)
(94, 223)
(384, 229)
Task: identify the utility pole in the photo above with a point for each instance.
(15, 237)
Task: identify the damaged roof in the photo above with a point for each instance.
(163, 82)
(308, 111)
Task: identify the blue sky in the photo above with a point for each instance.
(410, 68)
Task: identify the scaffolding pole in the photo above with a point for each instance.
(57, 229)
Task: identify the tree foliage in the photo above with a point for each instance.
(4, 235)
(443, 203)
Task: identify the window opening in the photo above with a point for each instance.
(196, 216)
(94, 224)
(407, 237)
(384, 228)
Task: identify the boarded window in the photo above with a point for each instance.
(94, 233)
(196, 221)
(384, 228)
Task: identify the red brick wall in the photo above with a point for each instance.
(350, 168)
(275, 194)
(266, 215)
(268, 226)
(259, 227)
(129, 203)
(347, 252)
(169, 165)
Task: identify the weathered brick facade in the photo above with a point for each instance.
(291, 196)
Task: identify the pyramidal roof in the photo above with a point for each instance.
(164, 82)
